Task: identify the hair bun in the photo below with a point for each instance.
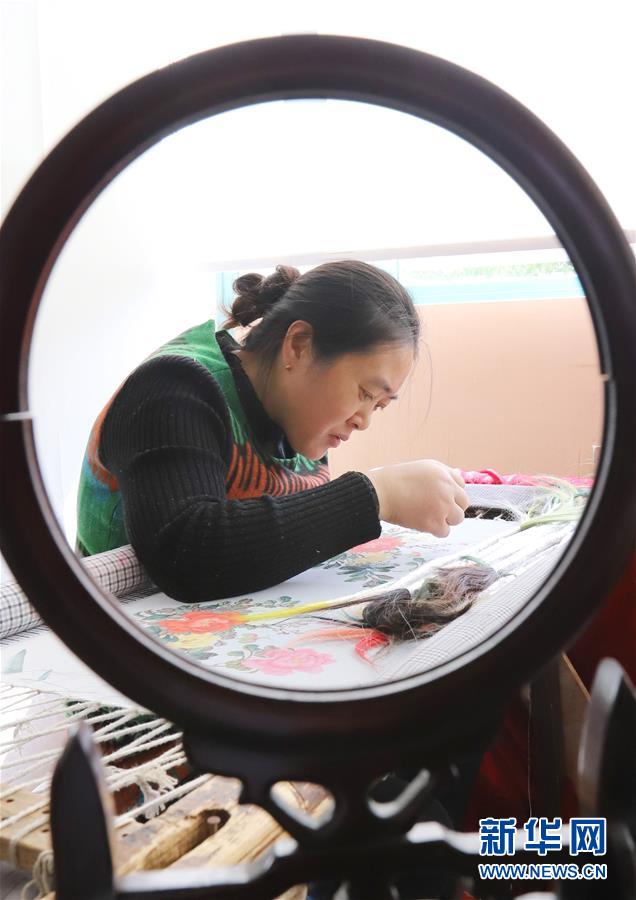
(248, 284)
(275, 285)
(255, 294)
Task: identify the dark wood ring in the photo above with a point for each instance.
(41, 220)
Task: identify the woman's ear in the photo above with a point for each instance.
(297, 343)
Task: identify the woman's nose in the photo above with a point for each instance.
(360, 420)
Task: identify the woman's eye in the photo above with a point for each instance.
(366, 396)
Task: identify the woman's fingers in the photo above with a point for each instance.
(455, 516)
(461, 499)
(457, 475)
(424, 494)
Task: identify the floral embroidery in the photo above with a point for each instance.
(282, 661)
(217, 635)
(372, 563)
(379, 545)
(201, 622)
(193, 641)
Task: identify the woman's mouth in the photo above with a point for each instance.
(334, 441)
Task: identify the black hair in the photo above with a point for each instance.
(351, 306)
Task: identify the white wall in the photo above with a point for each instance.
(279, 179)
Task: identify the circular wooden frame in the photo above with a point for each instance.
(298, 67)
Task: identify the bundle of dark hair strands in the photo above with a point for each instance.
(445, 596)
(452, 590)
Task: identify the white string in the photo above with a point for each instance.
(152, 777)
(43, 880)
(32, 826)
(179, 791)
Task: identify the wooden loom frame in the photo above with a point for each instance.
(209, 828)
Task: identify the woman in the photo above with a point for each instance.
(211, 457)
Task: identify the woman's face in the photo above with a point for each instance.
(319, 404)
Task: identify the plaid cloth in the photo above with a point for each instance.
(116, 571)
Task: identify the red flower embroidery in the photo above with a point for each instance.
(377, 546)
(282, 661)
(201, 621)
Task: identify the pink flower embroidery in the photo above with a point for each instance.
(201, 621)
(281, 661)
(377, 546)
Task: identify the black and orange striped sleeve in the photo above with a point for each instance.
(167, 439)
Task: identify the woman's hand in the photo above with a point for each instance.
(426, 495)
